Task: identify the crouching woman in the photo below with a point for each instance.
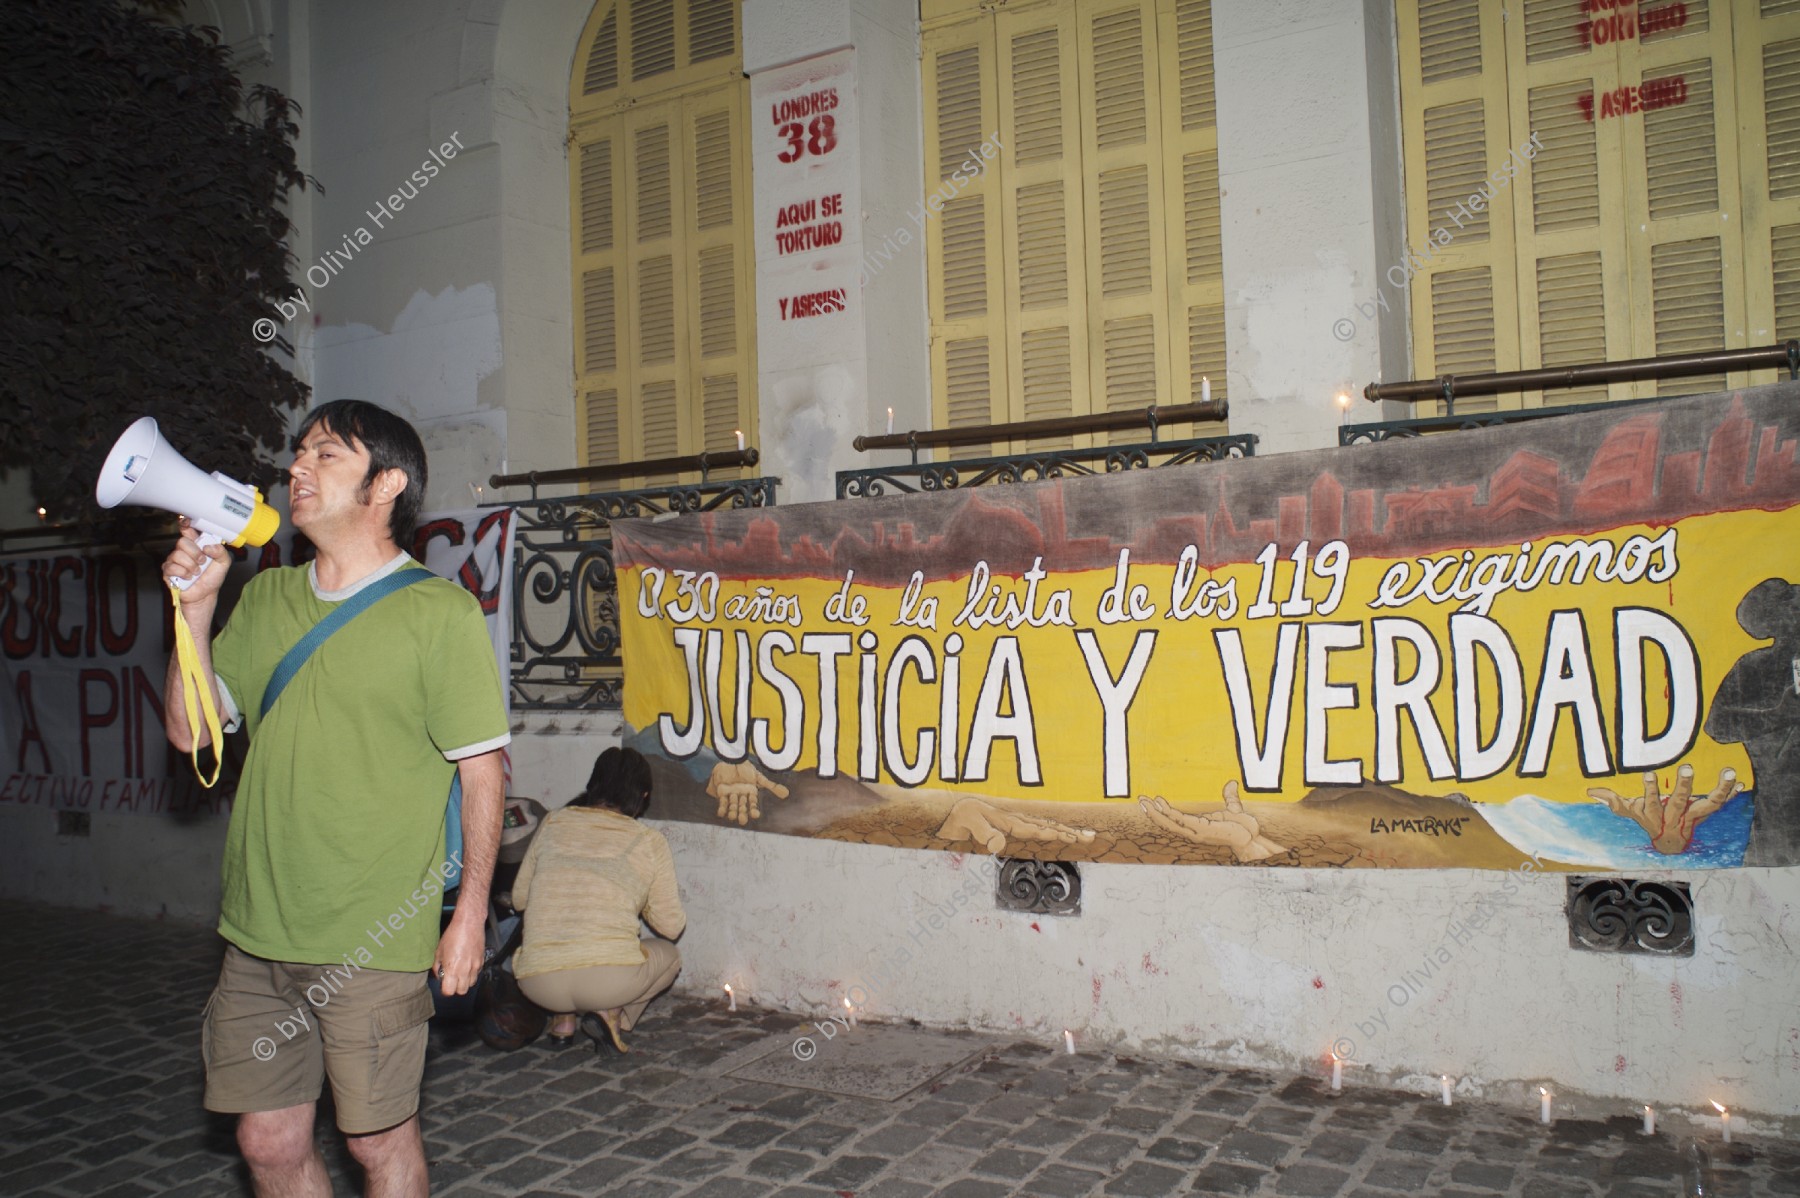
(591, 872)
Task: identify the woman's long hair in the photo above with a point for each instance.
(620, 782)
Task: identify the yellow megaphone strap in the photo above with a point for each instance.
(193, 678)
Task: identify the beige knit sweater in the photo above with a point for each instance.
(588, 875)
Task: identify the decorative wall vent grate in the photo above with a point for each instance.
(1038, 887)
(1626, 915)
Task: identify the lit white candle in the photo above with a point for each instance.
(1649, 1121)
(1724, 1122)
(1445, 1082)
(850, 1011)
(890, 422)
(740, 437)
(1543, 1105)
(730, 998)
(1337, 1073)
(1205, 389)
(1068, 1041)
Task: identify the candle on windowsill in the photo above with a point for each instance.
(1543, 1104)
(890, 422)
(1068, 1041)
(730, 998)
(1724, 1122)
(850, 1011)
(740, 439)
(1337, 1073)
(1205, 389)
(1649, 1121)
(1444, 1080)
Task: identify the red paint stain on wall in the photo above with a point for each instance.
(1034, 926)
(1318, 983)
(1150, 966)
(1619, 1064)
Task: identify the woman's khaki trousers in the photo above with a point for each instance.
(628, 988)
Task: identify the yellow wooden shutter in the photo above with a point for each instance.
(1571, 274)
(962, 231)
(1127, 258)
(596, 302)
(1191, 198)
(1663, 213)
(1080, 271)
(1688, 209)
(663, 256)
(1041, 211)
(1766, 51)
(651, 281)
(720, 261)
(1455, 130)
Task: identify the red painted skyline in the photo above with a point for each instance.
(1636, 475)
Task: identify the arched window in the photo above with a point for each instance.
(665, 359)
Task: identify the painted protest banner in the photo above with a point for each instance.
(1548, 639)
(85, 639)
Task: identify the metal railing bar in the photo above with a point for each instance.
(1099, 422)
(723, 459)
(1450, 387)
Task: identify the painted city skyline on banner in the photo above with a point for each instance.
(1538, 642)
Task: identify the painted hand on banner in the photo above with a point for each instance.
(738, 786)
(1671, 821)
(1233, 828)
(990, 827)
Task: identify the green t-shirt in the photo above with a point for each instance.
(337, 832)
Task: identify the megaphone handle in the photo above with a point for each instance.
(206, 539)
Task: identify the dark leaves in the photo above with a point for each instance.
(140, 195)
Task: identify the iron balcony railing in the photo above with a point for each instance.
(565, 623)
(1033, 465)
(1448, 388)
(703, 463)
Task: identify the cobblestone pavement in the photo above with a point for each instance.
(99, 1055)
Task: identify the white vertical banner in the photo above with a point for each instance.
(808, 204)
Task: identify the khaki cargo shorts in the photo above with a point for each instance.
(274, 1031)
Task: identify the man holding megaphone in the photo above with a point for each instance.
(334, 859)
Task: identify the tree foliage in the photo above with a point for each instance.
(140, 209)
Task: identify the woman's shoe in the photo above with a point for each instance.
(603, 1027)
(560, 1040)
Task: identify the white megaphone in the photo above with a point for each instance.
(145, 471)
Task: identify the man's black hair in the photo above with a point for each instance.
(620, 782)
(392, 444)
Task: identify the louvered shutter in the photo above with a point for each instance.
(720, 265)
(665, 359)
(964, 260)
(1662, 216)
(1103, 207)
(1688, 208)
(1127, 252)
(1190, 138)
(598, 269)
(1571, 270)
(1041, 211)
(1456, 133)
(1767, 55)
(651, 255)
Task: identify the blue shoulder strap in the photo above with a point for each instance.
(342, 614)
